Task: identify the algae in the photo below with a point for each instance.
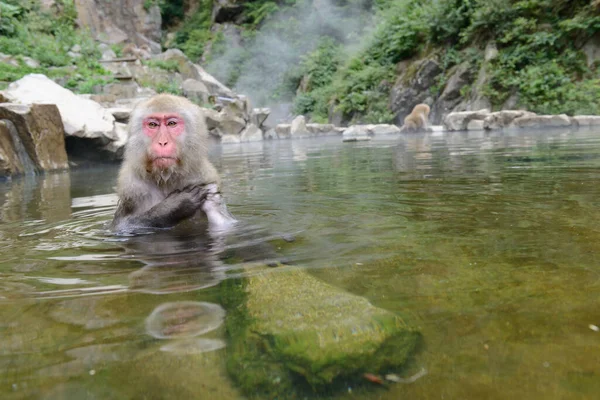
(290, 331)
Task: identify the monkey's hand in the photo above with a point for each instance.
(183, 203)
(216, 210)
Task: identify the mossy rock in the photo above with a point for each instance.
(290, 331)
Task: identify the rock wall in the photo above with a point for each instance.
(120, 21)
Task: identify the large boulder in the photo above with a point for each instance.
(196, 91)
(81, 117)
(298, 127)
(383, 129)
(356, 133)
(502, 119)
(283, 131)
(251, 133)
(459, 121)
(259, 115)
(542, 121)
(36, 133)
(110, 21)
(586, 120)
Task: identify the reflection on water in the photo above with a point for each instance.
(490, 240)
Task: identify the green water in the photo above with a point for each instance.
(490, 242)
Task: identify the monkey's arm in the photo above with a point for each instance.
(177, 206)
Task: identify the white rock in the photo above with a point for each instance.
(251, 134)
(228, 138)
(542, 121)
(383, 129)
(298, 127)
(475, 125)
(586, 120)
(82, 118)
(357, 132)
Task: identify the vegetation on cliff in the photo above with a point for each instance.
(339, 58)
(540, 58)
(26, 30)
(539, 43)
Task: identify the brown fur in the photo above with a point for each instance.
(417, 120)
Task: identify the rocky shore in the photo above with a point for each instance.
(44, 126)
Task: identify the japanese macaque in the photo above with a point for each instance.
(417, 120)
(166, 176)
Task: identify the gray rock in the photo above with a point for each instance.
(591, 49)
(320, 129)
(586, 120)
(10, 60)
(213, 118)
(196, 91)
(107, 52)
(542, 121)
(251, 134)
(383, 129)
(491, 52)
(502, 119)
(357, 133)
(458, 121)
(31, 63)
(228, 138)
(259, 115)
(121, 114)
(298, 127)
(475, 125)
(284, 131)
(121, 89)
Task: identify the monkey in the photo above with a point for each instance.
(165, 176)
(417, 120)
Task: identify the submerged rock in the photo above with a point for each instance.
(285, 324)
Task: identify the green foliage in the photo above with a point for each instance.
(257, 11)
(398, 37)
(168, 65)
(171, 11)
(537, 58)
(48, 38)
(195, 31)
(317, 69)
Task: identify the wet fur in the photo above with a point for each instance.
(417, 120)
(141, 186)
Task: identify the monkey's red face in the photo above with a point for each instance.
(163, 129)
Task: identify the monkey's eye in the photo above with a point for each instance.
(172, 123)
(152, 124)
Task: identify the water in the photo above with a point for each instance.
(490, 241)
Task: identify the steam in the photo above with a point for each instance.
(260, 68)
